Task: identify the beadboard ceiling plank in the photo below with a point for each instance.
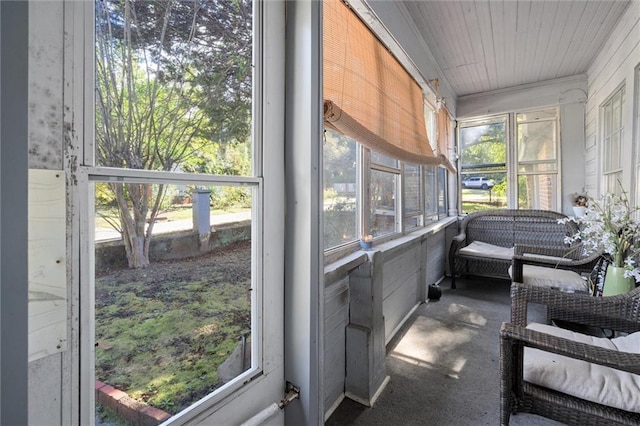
(496, 12)
(534, 18)
(511, 47)
(585, 29)
(485, 45)
(466, 62)
(486, 37)
(567, 40)
(484, 73)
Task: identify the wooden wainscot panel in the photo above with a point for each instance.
(47, 264)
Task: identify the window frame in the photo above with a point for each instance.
(609, 170)
(426, 190)
(507, 120)
(266, 178)
(397, 172)
(555, 161)
(635, 189)
(417, 214)
(512, 164)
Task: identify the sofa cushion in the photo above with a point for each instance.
(591, 382)
(480, 249)
(561, 279)
(553, 259)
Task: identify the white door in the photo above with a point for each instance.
(182, 199)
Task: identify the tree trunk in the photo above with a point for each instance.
(136, 242)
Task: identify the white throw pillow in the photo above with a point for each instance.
(591, 382)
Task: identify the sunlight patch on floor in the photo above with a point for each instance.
(431, 343)
(463, 313)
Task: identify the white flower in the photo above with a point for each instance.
(609, 225)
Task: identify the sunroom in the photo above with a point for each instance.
(216, 212)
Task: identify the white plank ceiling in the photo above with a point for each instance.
(485, 45)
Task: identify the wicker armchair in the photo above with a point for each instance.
(573, 258)
(619, 313)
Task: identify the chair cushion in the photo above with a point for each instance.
(554, 278)
(480, 249)
(591, 382)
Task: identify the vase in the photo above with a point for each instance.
(579, 211)
(616, 283)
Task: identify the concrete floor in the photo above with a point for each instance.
(444, 364)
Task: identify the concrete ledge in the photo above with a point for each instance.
(173, 246)
(132, 410)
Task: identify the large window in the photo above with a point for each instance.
(368, 193)
(494, 153)
(612, 133)
(175, 293)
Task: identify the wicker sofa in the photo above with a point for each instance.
(485, 243)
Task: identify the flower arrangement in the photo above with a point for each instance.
(580, 200)
(610, 225)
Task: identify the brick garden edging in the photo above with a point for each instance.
(132, 410)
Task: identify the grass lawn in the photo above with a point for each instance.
(474, 200)
(163, 331)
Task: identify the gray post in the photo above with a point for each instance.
(14, 136)
(366, 369)
(201, 216)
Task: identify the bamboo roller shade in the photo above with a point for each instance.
(368, 95)
(443, 138)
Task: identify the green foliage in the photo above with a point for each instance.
(173, 83)
(224, 159)
(339, 158)
(340, 223)
(108, 416)
(483, 145)
(500, 188)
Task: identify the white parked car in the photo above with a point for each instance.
(478, 182)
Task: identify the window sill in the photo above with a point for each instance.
(352, 256)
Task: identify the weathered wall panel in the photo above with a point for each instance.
(45, 85)
(399, 269)
(401, 287)
(47, 264)
(399, 304)
(336, 320)
(435, 257)
(46, 150)
(45, 398)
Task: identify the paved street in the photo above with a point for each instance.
(164, 226)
